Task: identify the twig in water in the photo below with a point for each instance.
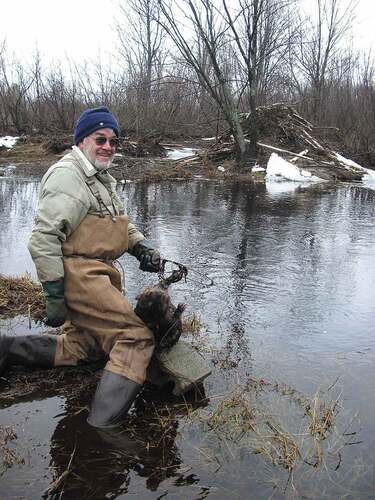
(57, 482)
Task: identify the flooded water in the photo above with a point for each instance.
(283, 281)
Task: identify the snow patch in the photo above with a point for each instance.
(369, 175)
(208, 139)
(279, 169)
(347, 162)
(8, 141)
(368, 179)
(222, 169)
(257, 168)
(177, 154)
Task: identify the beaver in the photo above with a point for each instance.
(155, 308)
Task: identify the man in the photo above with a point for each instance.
(79, 230)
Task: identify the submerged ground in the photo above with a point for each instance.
(281, 277)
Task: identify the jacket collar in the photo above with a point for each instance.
(84, 163)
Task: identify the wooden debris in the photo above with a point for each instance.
(283, 130)
(58, 143)
(145, 146)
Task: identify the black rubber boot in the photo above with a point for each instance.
(113, 398)
(27, 350)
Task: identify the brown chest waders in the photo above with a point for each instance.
(101, 320)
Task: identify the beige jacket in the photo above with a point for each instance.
(64, 200)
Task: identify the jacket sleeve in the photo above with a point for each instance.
(63, 203)
(133, 236)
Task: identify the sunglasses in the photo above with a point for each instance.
(101, 140)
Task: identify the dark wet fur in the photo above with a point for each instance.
(155, 308)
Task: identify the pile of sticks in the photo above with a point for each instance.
(281, 129)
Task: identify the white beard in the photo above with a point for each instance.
(99, 165)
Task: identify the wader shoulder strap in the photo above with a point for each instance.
(91, 183)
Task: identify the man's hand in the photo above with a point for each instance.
(148, 257)
(150, 261)
(55, 304)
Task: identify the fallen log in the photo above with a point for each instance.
(299, 155)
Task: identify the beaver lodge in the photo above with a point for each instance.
(283, 131)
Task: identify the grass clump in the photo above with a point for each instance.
(192, 324)
(8, 457)
(21, 296)
(277, 422)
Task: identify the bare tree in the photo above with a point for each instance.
(15, 84)
(320, 39)
(203, 52)
(141, 46)
(261, 38)
(58, 99)
(35, 95)
(235, 49)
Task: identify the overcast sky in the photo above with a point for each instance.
(74, 27)
(79, 28)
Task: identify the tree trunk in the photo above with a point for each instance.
(233, 118)
(241, 145)
(253, 125)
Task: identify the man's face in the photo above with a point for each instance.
(100, 155)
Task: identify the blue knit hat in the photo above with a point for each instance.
(94, 119)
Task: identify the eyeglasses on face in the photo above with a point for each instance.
(100, 140)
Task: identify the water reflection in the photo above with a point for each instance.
(107, 463)
(304, 255)
(17, 207)
(297, 265)
(283, 285)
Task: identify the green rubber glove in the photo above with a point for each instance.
(148, 257)
(55, 304)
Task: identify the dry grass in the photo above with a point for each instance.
(251, 416)
(192, 324)
(20, 296)
(322, 419)
(239, 420)
(233, 416)
(58, 482)
(8, 456)
(23, 150)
